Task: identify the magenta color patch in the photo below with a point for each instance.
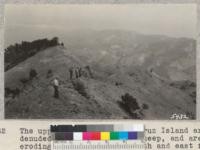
(87, 136)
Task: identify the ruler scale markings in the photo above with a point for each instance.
(94, 146)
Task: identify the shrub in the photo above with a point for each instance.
(145, 106)
(49, 73)
(8, 91)
(32, 74)
(80, 88)
(130, 105)
(24, 81)
(130, 101)
(193, 94)
(118, 83)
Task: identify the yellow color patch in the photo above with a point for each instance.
(105, 135)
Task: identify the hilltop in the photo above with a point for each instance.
(116, 90)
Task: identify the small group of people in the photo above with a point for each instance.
(75, 72)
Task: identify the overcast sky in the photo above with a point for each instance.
(178, 20)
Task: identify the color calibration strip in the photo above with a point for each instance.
(97, 132)
(81, 136)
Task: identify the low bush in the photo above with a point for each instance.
(145, 106)
(24, 81)
(32, 74)
(130, 105)
(49, 73)
(80, 88)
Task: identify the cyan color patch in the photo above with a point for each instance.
(123, 135)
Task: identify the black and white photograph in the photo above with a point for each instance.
(100, 61)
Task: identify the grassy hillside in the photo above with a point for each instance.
(113, 96)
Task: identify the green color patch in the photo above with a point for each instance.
(114, 135)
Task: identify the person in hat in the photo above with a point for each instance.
(71, 72)
(56, 87)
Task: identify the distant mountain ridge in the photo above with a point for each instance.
(167, 56)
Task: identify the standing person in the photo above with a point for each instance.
(71, 72)
(56, 85)
(89, 71)
(80, 72)
(76, 72)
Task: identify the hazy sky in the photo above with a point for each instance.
(177, 20)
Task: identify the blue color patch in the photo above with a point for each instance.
(132, 136)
